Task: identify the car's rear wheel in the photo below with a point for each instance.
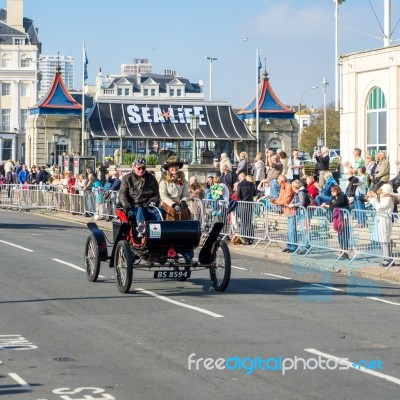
(123, 266)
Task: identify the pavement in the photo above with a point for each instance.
(317, 259)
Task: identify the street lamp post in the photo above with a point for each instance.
(211, 59)
(299, 111)
(325, 88)
(194, 125)
(121, 134)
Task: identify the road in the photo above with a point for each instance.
(62, 337)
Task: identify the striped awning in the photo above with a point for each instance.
(166, 121)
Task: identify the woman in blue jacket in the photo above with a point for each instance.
(325, 195)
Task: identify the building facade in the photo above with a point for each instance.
(156, 111)
(370, 100)
(277, 126)
(19, 50)
(47, 67)
(54, 125)
(139, 66)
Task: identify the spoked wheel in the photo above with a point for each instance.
(92, 258)
(220, 269)
(123, 263)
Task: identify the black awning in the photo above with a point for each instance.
(166, 121)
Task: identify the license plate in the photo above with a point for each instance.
(171, 274)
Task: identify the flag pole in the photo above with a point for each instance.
(256, 101)
(83, 99)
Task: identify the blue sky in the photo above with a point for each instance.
(296, 38)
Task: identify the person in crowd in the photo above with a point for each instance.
(357, 164)
(359, 203)
(242, 162)
(224, 161)
(258, 169)
(219, 191)
(300, 199)
(246, 191)
(275, 170)
(41, 175)
(209, 183)
(370, 170)
(341, 223)
(116, 183)
(97, 190)
(286, 195)
(325, 195)
(89, 170)
(80, 184)
(322, 165)
(312, 187)
(268, 158)
(8, 168)
(276, 167)
(382, 171)
(196, 194)
(395, 182)
(228, 178)
(139, 190)
(383, 226)
(295, 167)
(32, 175)
(284, 160)
(264, 192)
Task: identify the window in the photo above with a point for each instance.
(119, 92)
(5, 120)
(19, 41)
(6, 151)
(126, 92)
(25, 90)
(145, 92)
(171, 92)
(153, 92)
(25, 63)
(179, 92)
(24, 116)
(376, 121)
(5, 89)
(6, 61)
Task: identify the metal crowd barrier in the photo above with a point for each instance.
(214, 211)
(366, 232)
(376, 235)
(330, 230)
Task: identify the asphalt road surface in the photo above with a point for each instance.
(279, 332)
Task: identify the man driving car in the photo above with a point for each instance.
(139, 194)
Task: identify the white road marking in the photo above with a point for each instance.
(357, 368)
(328, 287)
(18, 379)
(243, 269)
(72, 266)
(178, 303)
(383, 301)
(276, 276)
(15, 245)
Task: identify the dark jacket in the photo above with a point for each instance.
(322, 163)
(41, 177)
(138, 190)
(340, 201)
(246, 190)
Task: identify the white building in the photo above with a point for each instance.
(370, 117)
(139, 66)
(19, 49)
(47, 70)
